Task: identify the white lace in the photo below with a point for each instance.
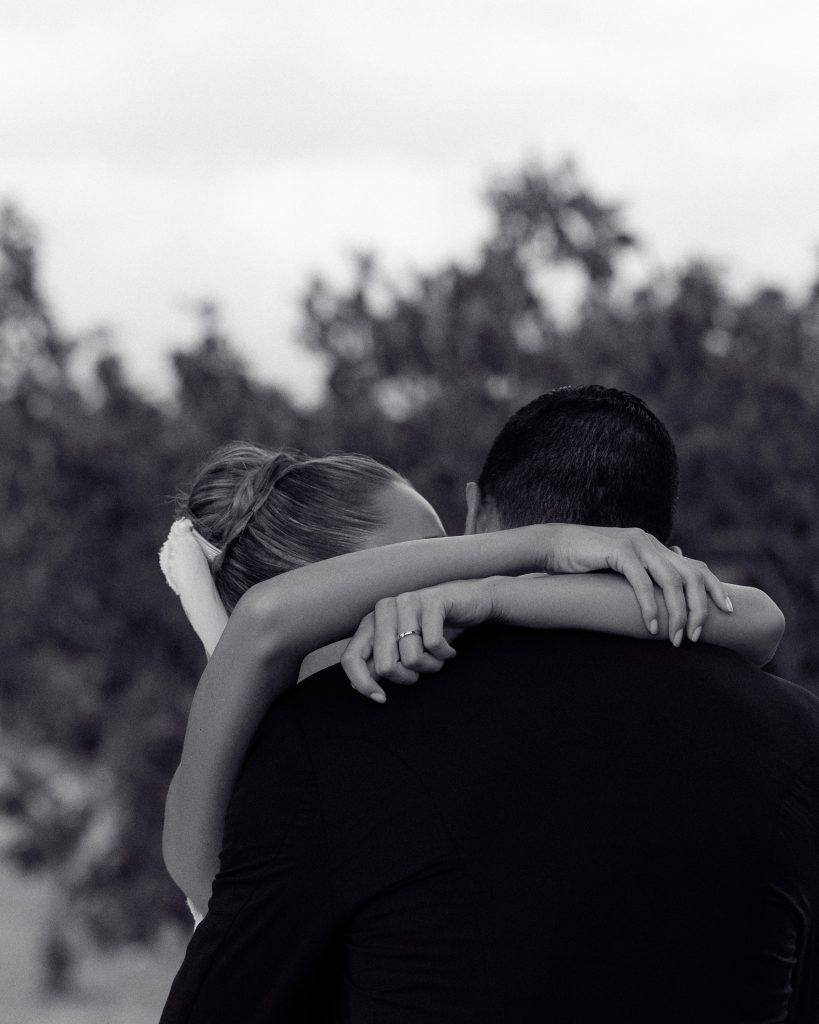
(185, 559)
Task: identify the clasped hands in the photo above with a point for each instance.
(430, 618)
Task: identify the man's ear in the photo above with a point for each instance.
(473, 504)
(479, 519)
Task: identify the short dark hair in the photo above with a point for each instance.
(589, 455)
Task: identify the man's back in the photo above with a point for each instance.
(563, 826)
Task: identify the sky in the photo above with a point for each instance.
(171, 151)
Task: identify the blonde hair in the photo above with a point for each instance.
(269, 510)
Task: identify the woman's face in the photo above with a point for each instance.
(405, 516)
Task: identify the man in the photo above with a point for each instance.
(565, 827)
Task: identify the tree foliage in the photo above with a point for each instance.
(97, 663)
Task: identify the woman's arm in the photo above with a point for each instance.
(601, 602)
(272, 628)
(325, 601)
(281, 620)
(236, 687)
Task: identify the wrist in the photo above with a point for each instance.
(546, 545)
(525, 548)
(495, 592)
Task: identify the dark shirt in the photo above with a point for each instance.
(558, 827)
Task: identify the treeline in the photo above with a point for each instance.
(97, 666)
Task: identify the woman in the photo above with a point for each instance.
(300, 549)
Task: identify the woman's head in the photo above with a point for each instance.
(271, 511)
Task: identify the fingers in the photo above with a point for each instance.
(716, 591)
(419, 661)
(646, 563)
(714, 587)
(386, 657)
(635, 572)
(697, 600)
(357, 661)
(375, 652)
(413, 651)
(686, 584)
(664, 567)
(704, 584)
(671, 583)
(433, 618)
(698, 583)
(681, 582)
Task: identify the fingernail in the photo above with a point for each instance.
(653, 627)
(696, 634)
(379, 698)
(677, 638)
(728, 604)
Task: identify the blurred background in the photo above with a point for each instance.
(372, 227)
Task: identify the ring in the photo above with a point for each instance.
(409, 632)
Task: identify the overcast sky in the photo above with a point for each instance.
(171, 151)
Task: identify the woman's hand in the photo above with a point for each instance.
(376, 652)
(404, 636)
(685, 583)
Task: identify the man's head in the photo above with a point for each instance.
(588, 455)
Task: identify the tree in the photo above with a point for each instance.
(98, 664)
(424, 375)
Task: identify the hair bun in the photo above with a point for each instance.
(244, 503)
(253, 493)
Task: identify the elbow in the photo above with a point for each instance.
(171, 861)
(171, 858)
(176, 853)
(176, 840)
(770, 627)
(171, 846)
(775, 631)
